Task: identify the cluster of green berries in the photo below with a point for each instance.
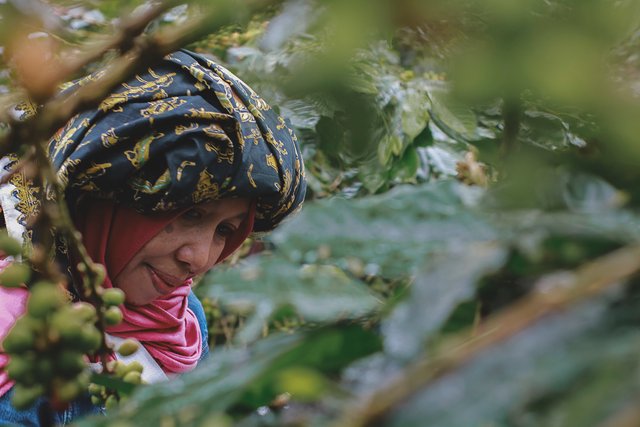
(49, 343)
(128, 372)
(222, 324)
(47, 347)
(16, 274)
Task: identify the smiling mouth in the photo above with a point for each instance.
(164, 283)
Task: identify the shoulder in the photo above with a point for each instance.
(196, 307)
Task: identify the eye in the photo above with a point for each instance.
(193, 214)
(226, 230)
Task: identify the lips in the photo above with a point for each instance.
(165, 283)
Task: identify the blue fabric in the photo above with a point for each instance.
(10, 416)
(196, 306)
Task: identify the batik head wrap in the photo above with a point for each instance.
(187, 131)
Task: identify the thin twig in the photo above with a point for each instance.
(589, 280)
(129, 28)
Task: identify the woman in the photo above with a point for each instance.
(164, 179)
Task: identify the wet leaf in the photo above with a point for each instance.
(318, 293)
(394, 231)
(546, 358)
(444, 280)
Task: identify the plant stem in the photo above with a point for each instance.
(587, 281)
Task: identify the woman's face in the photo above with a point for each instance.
(188, 246)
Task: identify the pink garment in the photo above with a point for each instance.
(13, 303)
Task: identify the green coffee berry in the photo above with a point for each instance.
(9, 245)
(120, 369)
(18, 368)
(113, 316)
(23, 397)
(21, 337)
(133, 377)
(135, 366)
(128, 347)
(84, 311)
(95, 389)
(90, 339)
(111, 402)
(66, 391)
(66, 326)
(44, 369)
(15, 275)
(113, 297)
(45, 297)
(69, 363)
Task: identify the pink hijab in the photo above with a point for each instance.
(167, 328)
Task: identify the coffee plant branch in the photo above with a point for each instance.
(553, 293)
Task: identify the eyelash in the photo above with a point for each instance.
(193, 214)
(225, 230)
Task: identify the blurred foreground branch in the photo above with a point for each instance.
(145, 50)
(554, 293)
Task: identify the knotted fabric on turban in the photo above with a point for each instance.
(186, 131)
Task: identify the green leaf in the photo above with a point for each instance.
(453, 118)
(414, 106)
(318, 293)
(393, 232)
(241, 377)
(542, 360)
(444, 281)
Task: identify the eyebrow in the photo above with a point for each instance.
(241, 216)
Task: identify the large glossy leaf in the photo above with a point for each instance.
(392, 233)
(442, 283)
(248, 378)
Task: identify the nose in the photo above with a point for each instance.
(200, 250)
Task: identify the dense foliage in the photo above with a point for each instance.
(468, 249)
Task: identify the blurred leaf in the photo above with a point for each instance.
(326, 350)
(245, 377)
(210, 389)
(545, 358)
(394, 231)
(443, 281)
(453, 117)
(294, 19)
(547, 131)
(265, 284)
